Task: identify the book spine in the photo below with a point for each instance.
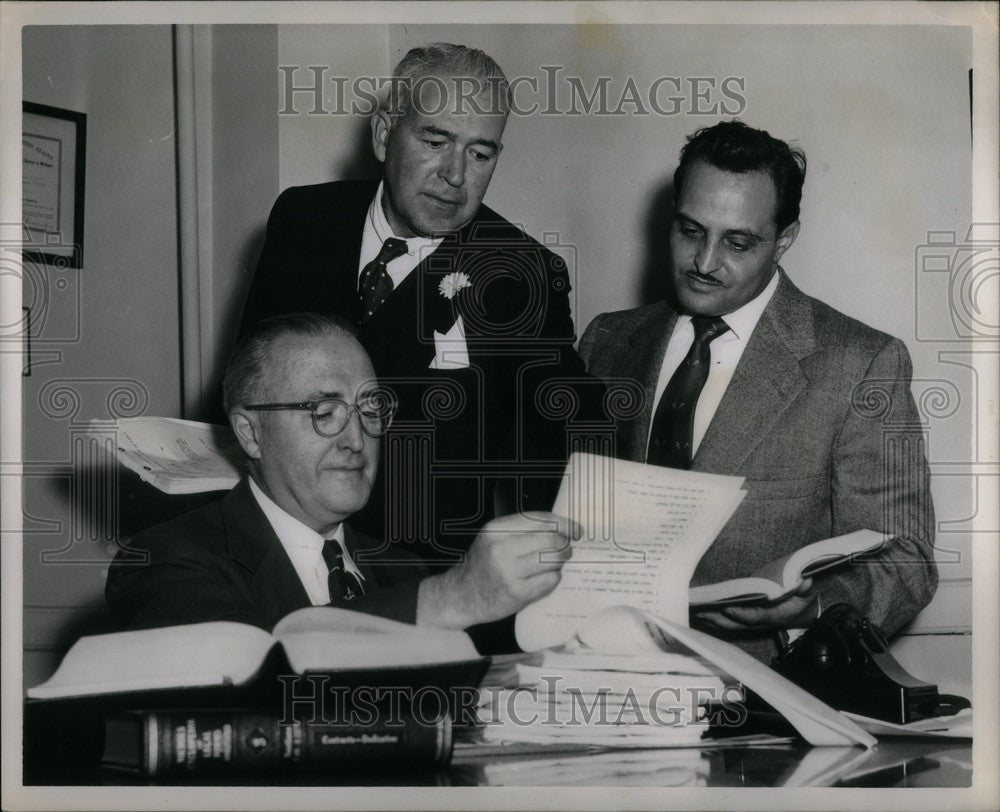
(246, 741)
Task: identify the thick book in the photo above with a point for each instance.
(242, 741)
(783, 576)
(358, 649)
(175, 456)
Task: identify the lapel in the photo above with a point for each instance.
(344, 246)
(767, 380)
(641, 362)
(253, 545)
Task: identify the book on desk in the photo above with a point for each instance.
(329, 686)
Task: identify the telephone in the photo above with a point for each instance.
(843, 658)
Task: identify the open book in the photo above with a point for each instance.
(315, 639)
(177, 456)
(784, 575)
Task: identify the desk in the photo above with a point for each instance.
(894, 763)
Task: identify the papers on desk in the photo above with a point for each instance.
(646, 527)
(175, 456)
(576, 696)
(958, 726)
(634, 768)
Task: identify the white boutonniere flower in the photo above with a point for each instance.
(453, 283)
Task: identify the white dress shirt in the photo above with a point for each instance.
(304, 547)
(377, 230)
(726, 351)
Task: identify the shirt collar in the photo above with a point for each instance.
(288, 529)
(293, 533)
(415, 246)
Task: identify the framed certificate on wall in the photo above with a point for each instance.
(53, 148)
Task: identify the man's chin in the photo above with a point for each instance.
(438, 225)
(700, 304)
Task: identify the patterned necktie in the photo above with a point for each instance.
(671, 438)
(344, 585)
(375, 284)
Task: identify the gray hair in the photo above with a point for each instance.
(470, 68)
(243, 381)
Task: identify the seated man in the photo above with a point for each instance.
(746, 375)
(302, 399)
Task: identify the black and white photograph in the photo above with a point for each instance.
(592, 400)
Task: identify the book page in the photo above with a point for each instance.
(328, 638)
(645, 527)
(194, 655)
(178, 456)
(784, 575)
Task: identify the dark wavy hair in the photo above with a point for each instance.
(736, 147)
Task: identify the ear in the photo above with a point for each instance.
(381, 124)
(785, 240)
(247, 430)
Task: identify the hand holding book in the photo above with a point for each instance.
(795, 610)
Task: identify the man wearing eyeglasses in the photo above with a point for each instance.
(302, 398)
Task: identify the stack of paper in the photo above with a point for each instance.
(645, 528)
(633, 768)
(584, 697)
(176, 456)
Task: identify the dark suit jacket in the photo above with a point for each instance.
(819, 419)
(456, 431)
(224, 562)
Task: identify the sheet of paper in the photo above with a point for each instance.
(645, 530)
(176, 456)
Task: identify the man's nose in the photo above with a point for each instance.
(707, 259)
(452, 169)
(352, 436)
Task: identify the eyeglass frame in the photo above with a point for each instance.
(311, 406)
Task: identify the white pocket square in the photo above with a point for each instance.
(450, 350)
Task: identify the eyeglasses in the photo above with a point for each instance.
(330, 415)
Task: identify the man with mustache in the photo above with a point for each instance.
(746, 375)
(463, 315)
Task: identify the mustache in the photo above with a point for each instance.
(702, 277)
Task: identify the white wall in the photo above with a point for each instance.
(128, 332)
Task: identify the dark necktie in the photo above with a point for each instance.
(671, 437)
(375, 284)
(344, 585)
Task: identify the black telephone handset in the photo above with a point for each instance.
(844, 659)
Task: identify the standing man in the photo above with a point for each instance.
(463, 315)
(746, 375)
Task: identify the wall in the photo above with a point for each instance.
(244, 170)
(126, 329)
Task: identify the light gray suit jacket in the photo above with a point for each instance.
(819, 419)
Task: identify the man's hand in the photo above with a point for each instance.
(795, 611)
(513, 561)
